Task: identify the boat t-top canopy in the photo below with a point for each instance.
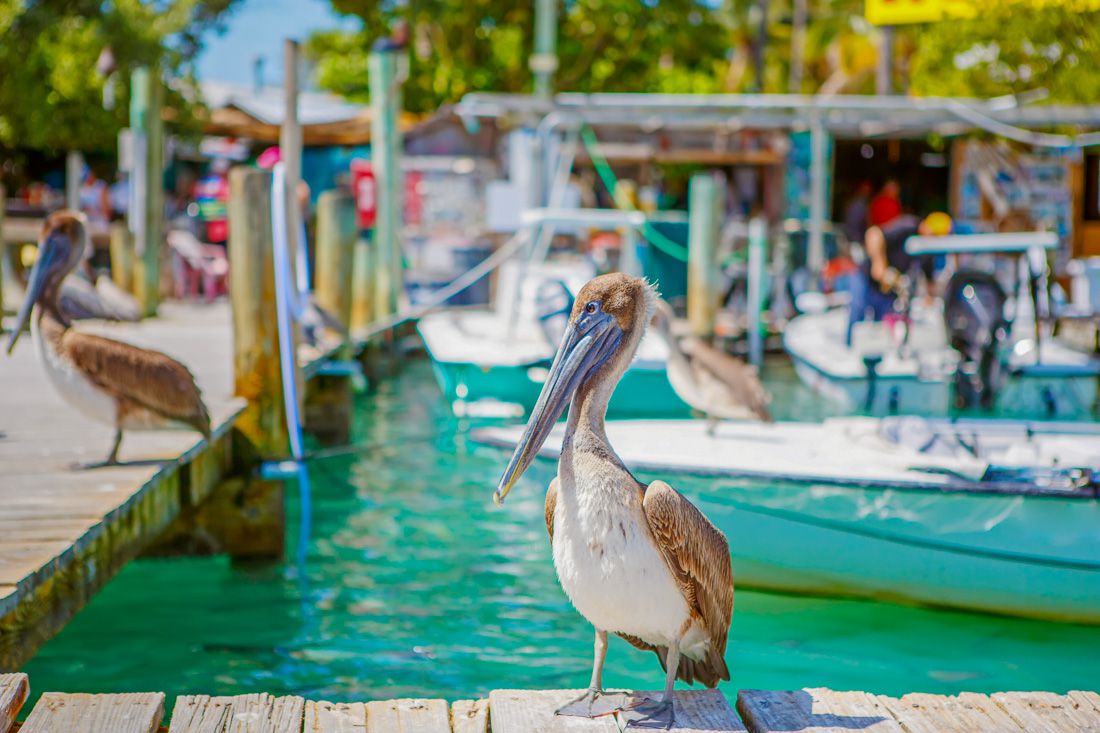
(981, 243)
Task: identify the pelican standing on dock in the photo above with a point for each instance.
(108, 381)
(638, 561)
(720, 386)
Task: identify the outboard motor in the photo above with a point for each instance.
(973, 311)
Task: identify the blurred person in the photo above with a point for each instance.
(212, 196)
(886, 206)
(119, 196)
(95, 198)
(855, 213)
(883, 276)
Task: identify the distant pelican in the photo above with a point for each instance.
(114, 383)
(711, 381)
(96, 296)
(639, 561)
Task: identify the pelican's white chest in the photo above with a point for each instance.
(68, 380)
(608, 565)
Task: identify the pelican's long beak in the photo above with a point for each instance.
(53, 249)
(587, 344)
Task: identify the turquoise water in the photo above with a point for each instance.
(413, 584)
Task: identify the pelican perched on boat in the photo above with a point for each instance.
(114, 383)
(638, 561)
(712, 382)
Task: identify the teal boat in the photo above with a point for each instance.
(493, 361)
(997, 516)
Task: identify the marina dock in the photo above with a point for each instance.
(532, 711)
(63, 532)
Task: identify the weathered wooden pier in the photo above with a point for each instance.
(532, 711)
(64, 533)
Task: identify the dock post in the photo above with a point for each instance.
(328, 405)
(362, 285)
(385, 96)
(122, 257)
(758, 243)
(147, 94)
(704, 211)
(258, 378)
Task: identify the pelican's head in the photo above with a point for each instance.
(608, 319)
(62, 246)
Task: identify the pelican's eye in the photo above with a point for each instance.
(592, 307)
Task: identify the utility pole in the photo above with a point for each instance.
(544, 62)
(759, 44)
(884, 71)
(798, 47)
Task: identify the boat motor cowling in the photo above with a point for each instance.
(973, 311)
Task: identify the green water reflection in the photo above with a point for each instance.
(414, 584)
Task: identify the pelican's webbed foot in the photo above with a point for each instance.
(648, 713)
(593, 703)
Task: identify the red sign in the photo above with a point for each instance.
(365, 188)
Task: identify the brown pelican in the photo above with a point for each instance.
(711, 381)
(638, 561)
(109, 381)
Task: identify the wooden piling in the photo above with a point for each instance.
(704, 204)
(122, 256)
(147, 94)
(385, 97)
(257, 374)
(262, 427)
(336, 249)
(362, 286)
(328, 405)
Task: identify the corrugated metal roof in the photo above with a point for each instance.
(267, 104)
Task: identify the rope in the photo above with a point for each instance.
(654, 236)
(607, 176)
(456, 286)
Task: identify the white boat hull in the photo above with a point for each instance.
(840, 512)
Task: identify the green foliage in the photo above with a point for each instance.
(51, 96)
(462, 46)
(1011, 46)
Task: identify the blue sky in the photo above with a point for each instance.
(257, 28)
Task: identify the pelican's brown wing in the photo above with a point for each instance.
(741, 379)
(147, 379)
(551, 504)
(699, 557)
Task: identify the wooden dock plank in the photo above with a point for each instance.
(408, 716)
(922, 713)
(697, 711)
(200, 714)
(1046, 712)
(470, 716)
(129, 712)
(330, 717)
(14, 689)
(814, 710)
(532, 711)
(1085, 699)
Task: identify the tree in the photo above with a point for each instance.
(1010, 46)
(462, 46)
(51, 95)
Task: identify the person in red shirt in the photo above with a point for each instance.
(886, 206)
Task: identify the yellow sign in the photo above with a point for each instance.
(904, 12)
